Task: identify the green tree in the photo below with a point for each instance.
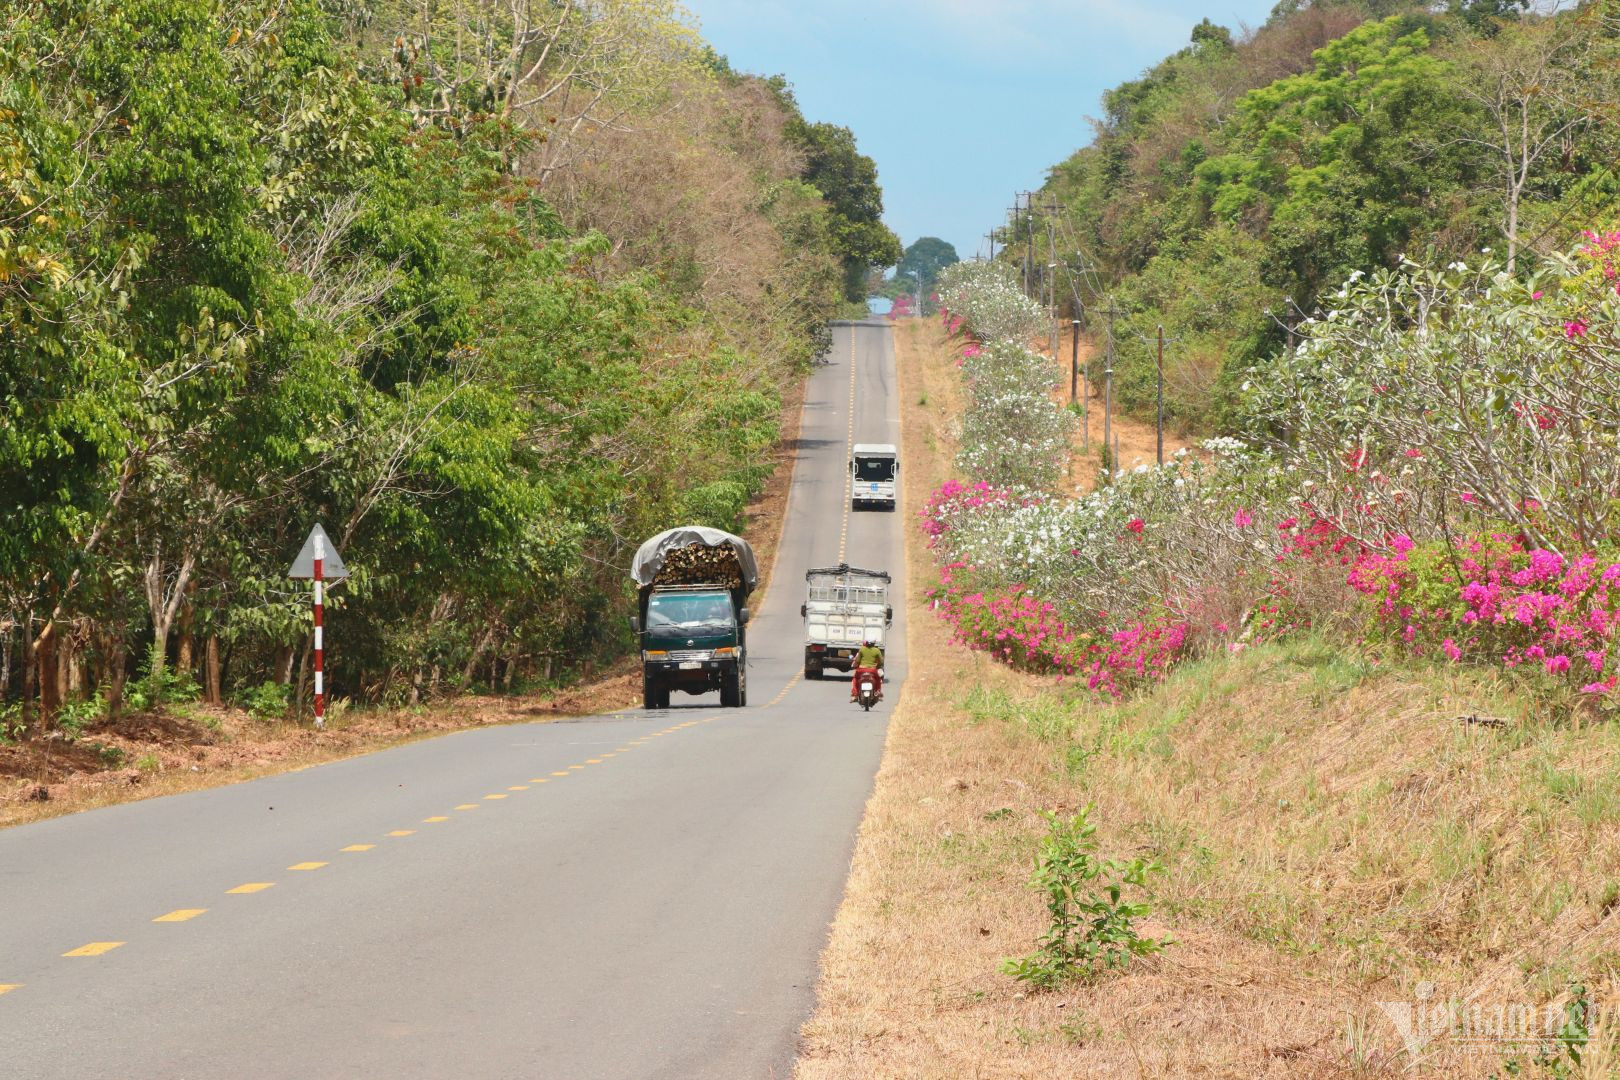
(848, 181)
(922, 262)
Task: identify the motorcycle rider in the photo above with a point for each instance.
(869, 656)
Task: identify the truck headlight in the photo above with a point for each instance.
(725, 650)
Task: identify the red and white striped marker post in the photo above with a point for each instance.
(320, 562)
(320, 667)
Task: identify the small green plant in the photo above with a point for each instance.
(11, 723)
(1079, 1031)
(266, 701)
(73, 717)
(1105, 465)
(147, 763)
(1077, 758)
(1560, 1057)
(1093, 925)
(111, 756)
(999, 814)
(923, 399)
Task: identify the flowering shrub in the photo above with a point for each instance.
(1027, 633)
(1430, 402)
(1448, 472)
(1013, 435)
(985, 297)
(1493, 599)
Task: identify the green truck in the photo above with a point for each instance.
(691, 620)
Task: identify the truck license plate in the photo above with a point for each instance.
(691, 665)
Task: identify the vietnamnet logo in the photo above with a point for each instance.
(1507, 1029)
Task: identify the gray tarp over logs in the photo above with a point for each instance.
(650, 556)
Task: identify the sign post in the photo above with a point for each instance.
(319, 562)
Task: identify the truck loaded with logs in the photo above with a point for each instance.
(691, 617)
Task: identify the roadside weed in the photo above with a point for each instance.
(1092, 924)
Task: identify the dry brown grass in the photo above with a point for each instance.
(1334, 835)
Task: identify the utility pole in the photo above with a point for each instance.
(1108, 396)
(1161, 394)
(1074, 362)
(1029, 237)
(1051, 272)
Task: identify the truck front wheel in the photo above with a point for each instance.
(652, 695)
(731, 691)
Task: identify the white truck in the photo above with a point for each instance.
(874, 469)
(844, 606)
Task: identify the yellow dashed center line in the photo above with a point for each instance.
(95, 948)
(98, 948)
(849, 453)
(777, 700)
(432, 820)
(185, 914)
(6, 988)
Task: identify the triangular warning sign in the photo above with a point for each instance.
(332, 566)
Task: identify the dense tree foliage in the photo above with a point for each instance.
(848, 180)
(491, 298)
(1238, 180)
(919, 267)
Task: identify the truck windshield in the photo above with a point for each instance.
(688, 610)
(874, 468)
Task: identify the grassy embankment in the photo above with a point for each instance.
(1336, 832)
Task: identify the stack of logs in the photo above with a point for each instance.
(700, 564)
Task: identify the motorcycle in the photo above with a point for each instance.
(868, 687)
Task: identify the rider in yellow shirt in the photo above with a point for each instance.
(870, 655)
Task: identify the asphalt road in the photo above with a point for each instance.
(633, 895)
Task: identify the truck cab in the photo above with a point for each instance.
(874, 472)
(692, 640)
(692, 583)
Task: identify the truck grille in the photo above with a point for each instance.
(689, 654)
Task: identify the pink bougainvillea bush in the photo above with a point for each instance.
(1494, 599)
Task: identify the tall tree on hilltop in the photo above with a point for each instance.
(922, 262)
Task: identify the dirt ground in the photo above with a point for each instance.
(191, 746)
(1136, 440)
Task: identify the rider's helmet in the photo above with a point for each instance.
(869, 643)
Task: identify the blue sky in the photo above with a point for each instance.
(960, 102)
